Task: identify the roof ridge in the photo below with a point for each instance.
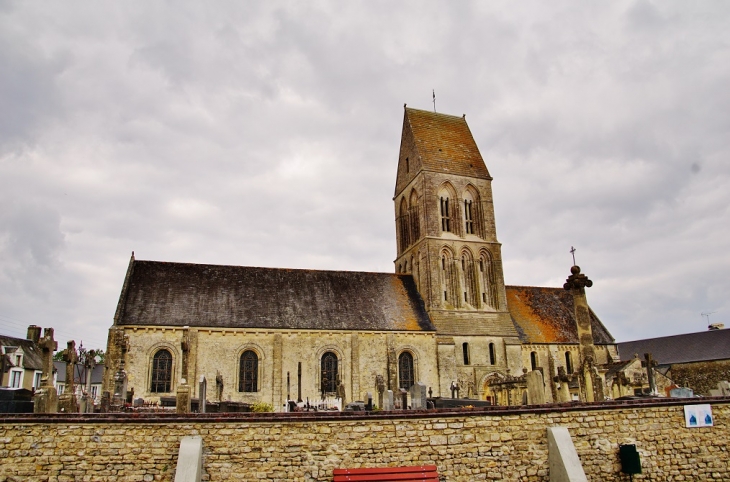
(272, 268)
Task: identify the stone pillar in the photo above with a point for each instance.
(590, 380)
(354, 366)
(276, 379)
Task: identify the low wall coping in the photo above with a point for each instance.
(228, 417)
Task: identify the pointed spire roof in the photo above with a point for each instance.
(445, 144)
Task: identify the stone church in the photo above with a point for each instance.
(445, 317)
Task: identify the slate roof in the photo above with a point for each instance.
(691, 347)
(547, 315)
(179, 294)
(32, 354)
(445, 144)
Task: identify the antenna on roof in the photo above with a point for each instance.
(434, 100)
(707, 314)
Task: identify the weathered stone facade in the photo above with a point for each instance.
(212, 352)
(466, 445)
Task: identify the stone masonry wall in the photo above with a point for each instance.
(489, 444)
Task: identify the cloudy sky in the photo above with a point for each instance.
(267, 134)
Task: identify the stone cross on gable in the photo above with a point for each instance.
(48, 345)
(70, 357)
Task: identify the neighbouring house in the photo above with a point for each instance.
(695, 360)
(21, 360)
(79, 379)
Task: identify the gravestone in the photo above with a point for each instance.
(418, 396)
(681, 392)
(404, 399)
(388, 400)
(722, 390)
(369, 403)
(202, 389)
(535, 388)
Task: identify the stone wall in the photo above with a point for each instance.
(466, 445)
(700, 376)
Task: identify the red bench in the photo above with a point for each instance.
(428, 473)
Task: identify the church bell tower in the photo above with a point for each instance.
(447, 240)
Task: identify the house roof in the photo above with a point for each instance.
(96, 374)
(547, 315)
(32, 354)
(690, 347)
(445, 144)
(179, 294)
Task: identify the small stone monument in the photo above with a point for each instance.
(120, 389)
(380, 388)
(183, 402)
(202, 393)
(535, 388)
(722, 390)
(46, 399)
(67, 401)
(418, 396)
(369, 403)
(681, 392)
(404, 398)
(388, 400)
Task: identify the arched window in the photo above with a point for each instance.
(248, 372)
(328, 381)
(534, 360)
(472, 214)
(568, 363)
(492, 354)
(487, 281)
(465, 349)
(468, 278)
(445, 213)
(405, 371)
(415, 223)
(468, 214)
(403, 225)
(161, 372)
(448, 278)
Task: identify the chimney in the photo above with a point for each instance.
(34, 333)
(716, 326)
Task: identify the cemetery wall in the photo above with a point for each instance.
(477, 444)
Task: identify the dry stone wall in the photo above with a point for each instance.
(466, 445)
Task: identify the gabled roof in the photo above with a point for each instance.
(691, 347)
(547, 315)
(445, 144)
(179, 294)
(32, 355)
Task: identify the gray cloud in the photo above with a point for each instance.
(267, 134)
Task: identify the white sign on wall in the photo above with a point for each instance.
(698, 416)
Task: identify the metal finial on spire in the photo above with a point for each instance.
(434, 100)
(572, 251)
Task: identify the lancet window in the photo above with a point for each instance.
(329, 373)
(248, 378)
(406, 377)
(161, 372)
